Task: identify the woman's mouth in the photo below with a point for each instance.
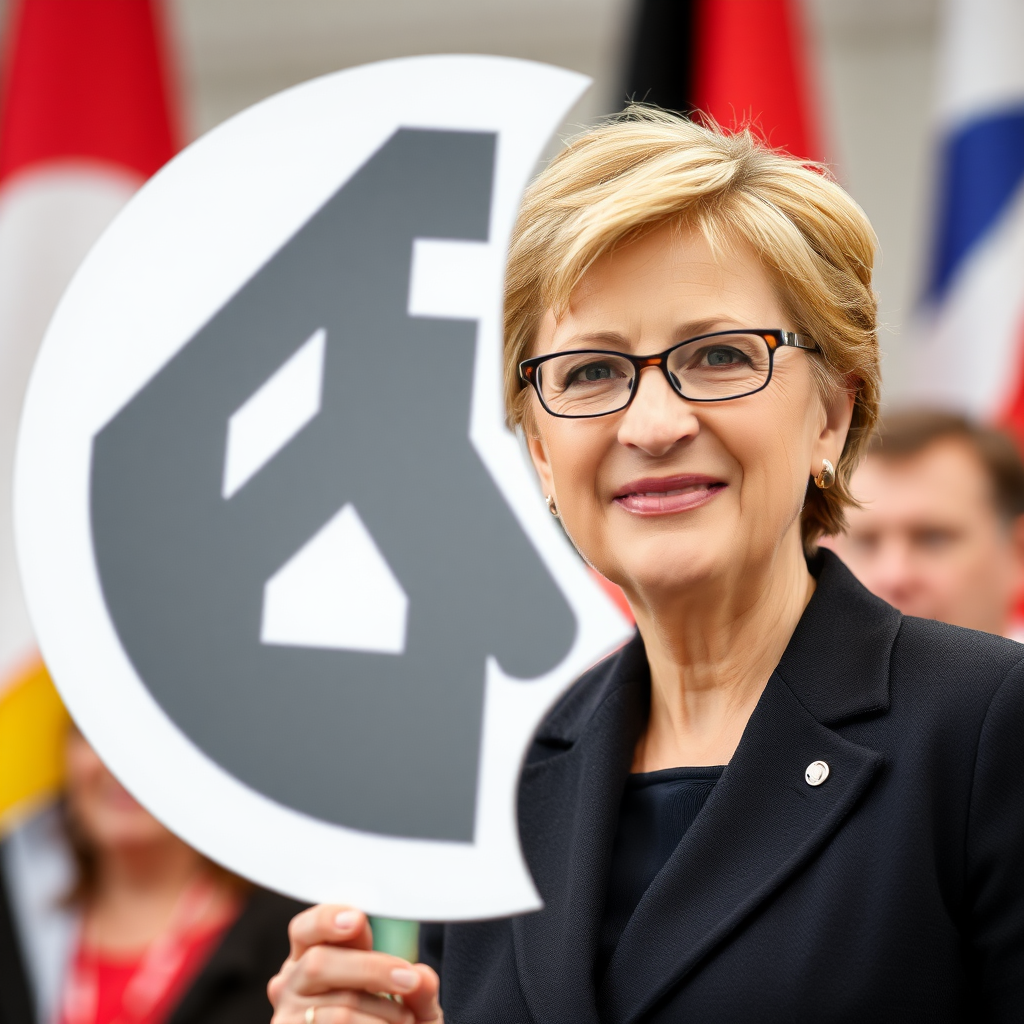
(669, 495)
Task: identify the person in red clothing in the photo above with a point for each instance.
(152, 908)
(154, 933)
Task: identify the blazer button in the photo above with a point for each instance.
(816, 774)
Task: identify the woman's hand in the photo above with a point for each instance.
(332, 968)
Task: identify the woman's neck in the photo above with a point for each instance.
(137, 892)
(711, 651)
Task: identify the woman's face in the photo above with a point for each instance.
(107, 814)
(669, 493)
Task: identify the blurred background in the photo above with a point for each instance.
(917, 106)
(872, 67)
(872, 71)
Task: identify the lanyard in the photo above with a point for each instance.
(157, 970)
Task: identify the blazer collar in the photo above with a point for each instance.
(761, 824)
(569, 800)
(835, 667)
(837, 661)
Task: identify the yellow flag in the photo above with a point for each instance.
(33, 726)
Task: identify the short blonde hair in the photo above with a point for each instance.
(647, 167)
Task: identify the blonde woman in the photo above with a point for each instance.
(783, 800)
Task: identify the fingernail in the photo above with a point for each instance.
(347, 920)
(403, 979)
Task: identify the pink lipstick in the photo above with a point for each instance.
(660, 496)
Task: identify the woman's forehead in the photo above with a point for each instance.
(674, 263)
(666, 284)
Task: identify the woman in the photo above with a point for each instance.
(158, 933)
(782, 800)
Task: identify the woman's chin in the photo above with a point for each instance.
(666, 571)
(125, 832)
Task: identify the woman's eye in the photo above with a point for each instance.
(592, 373)
(724, 356)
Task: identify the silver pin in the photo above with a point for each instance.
(816, 774)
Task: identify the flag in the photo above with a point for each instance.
(743, 63)
(971, 356)
(85, 118)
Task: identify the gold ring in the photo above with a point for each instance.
(310, 1015)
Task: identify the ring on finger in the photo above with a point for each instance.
(310, 1015)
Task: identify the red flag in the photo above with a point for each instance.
(751, 68)
(85, 118)
(740, 61)
(86, 79)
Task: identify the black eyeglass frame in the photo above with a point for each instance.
(774, 338)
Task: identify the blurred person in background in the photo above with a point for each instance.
(940, 533)
(135, 927)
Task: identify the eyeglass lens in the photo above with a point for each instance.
(593, 383)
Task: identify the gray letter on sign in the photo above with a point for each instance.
(375, 474)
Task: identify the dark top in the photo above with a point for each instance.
(893, 892)
(15, 995)
(656, 810)
(232, 986)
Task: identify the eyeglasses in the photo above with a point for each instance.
(713, 367)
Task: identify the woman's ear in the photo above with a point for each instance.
(541, 463)
(838, 415)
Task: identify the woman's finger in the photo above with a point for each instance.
(334, 969)
(330, 923)
(423, 1000)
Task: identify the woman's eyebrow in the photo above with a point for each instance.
(615, 340)
(707, 325)
(593, 339)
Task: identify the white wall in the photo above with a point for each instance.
(875, 67)
(877, 72)
(237, 51)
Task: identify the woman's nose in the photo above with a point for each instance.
(657, 418)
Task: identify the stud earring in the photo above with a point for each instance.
(552, 507)
(827, 477)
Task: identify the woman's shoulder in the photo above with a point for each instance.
(231, 988)
(262, 925)
(853, 655)
(620, 677)
(258, 937)
(962, 688)
(952, 659)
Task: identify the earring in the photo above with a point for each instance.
(552, 507)
(827, 477)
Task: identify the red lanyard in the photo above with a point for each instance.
(156, 973)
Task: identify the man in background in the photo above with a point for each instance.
(941, 531)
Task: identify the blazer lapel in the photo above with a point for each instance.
(569, 809)
(763, 822)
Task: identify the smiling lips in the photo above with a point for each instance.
(665, 496)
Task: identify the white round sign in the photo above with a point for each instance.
(288, 568)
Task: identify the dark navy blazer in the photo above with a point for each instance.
(894, 891)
